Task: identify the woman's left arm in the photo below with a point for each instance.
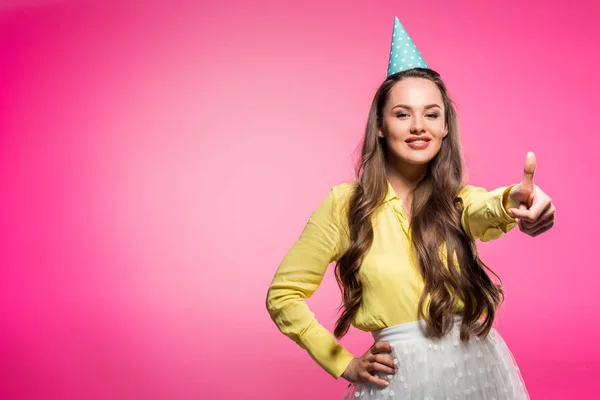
(489, 215)
(484, 215)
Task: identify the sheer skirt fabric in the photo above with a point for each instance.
(447, 368)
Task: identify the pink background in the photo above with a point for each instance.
(157, 161)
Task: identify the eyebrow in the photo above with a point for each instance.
(427, 107)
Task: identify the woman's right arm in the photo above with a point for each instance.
(298, 276)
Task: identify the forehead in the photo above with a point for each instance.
(415, 92)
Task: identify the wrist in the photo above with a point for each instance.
(507, 199)
(347, 372)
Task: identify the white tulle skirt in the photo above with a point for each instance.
(447, 368)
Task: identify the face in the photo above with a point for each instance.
(414, 121)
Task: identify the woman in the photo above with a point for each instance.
(390, 233)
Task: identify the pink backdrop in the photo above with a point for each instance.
(157, 161)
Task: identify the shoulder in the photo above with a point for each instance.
(338, 198)
(467, 190)
(343, 191)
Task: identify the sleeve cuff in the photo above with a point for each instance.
(502, 221)
(342, 362)
(505, 217)
(325, 350)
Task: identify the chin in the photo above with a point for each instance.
(417, 159)
(418, 162)
(413, 157)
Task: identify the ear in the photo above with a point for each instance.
(380, 133)
(445, 131)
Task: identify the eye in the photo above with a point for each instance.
(401, 115)
(432, 115)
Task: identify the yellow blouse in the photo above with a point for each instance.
(392, 284)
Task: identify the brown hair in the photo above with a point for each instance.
(436, 221)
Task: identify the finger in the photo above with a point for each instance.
(520, 213)
(541, 229)
(523, 225)
(529, 226)
(529, 171)
(542, 220)
(533, 213)
(524, 207)
(546, 216)
(381, 347)
(384, 360)
(539, 206)
(539, 209)
(367, 377)
(377, 366)
(550, 211)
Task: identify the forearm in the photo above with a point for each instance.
(295, 320)
(485, 215)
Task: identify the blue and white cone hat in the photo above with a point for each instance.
(404, 54)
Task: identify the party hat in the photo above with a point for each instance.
(404, 54)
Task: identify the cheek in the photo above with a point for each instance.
(437, 128)
(396, 136)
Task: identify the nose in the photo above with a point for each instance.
(417, 124)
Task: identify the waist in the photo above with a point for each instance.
(410, 331)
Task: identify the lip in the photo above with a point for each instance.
(414, 138)
(413, 144)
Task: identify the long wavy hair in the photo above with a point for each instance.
(436, 221)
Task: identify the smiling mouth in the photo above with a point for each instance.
(418, 144)
(420, 140)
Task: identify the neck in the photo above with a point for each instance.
(404, 177)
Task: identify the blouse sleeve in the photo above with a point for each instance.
(298, 276)
(484, 216)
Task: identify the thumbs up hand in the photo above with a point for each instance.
(529, 205)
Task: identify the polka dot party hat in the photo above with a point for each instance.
(404, 54)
